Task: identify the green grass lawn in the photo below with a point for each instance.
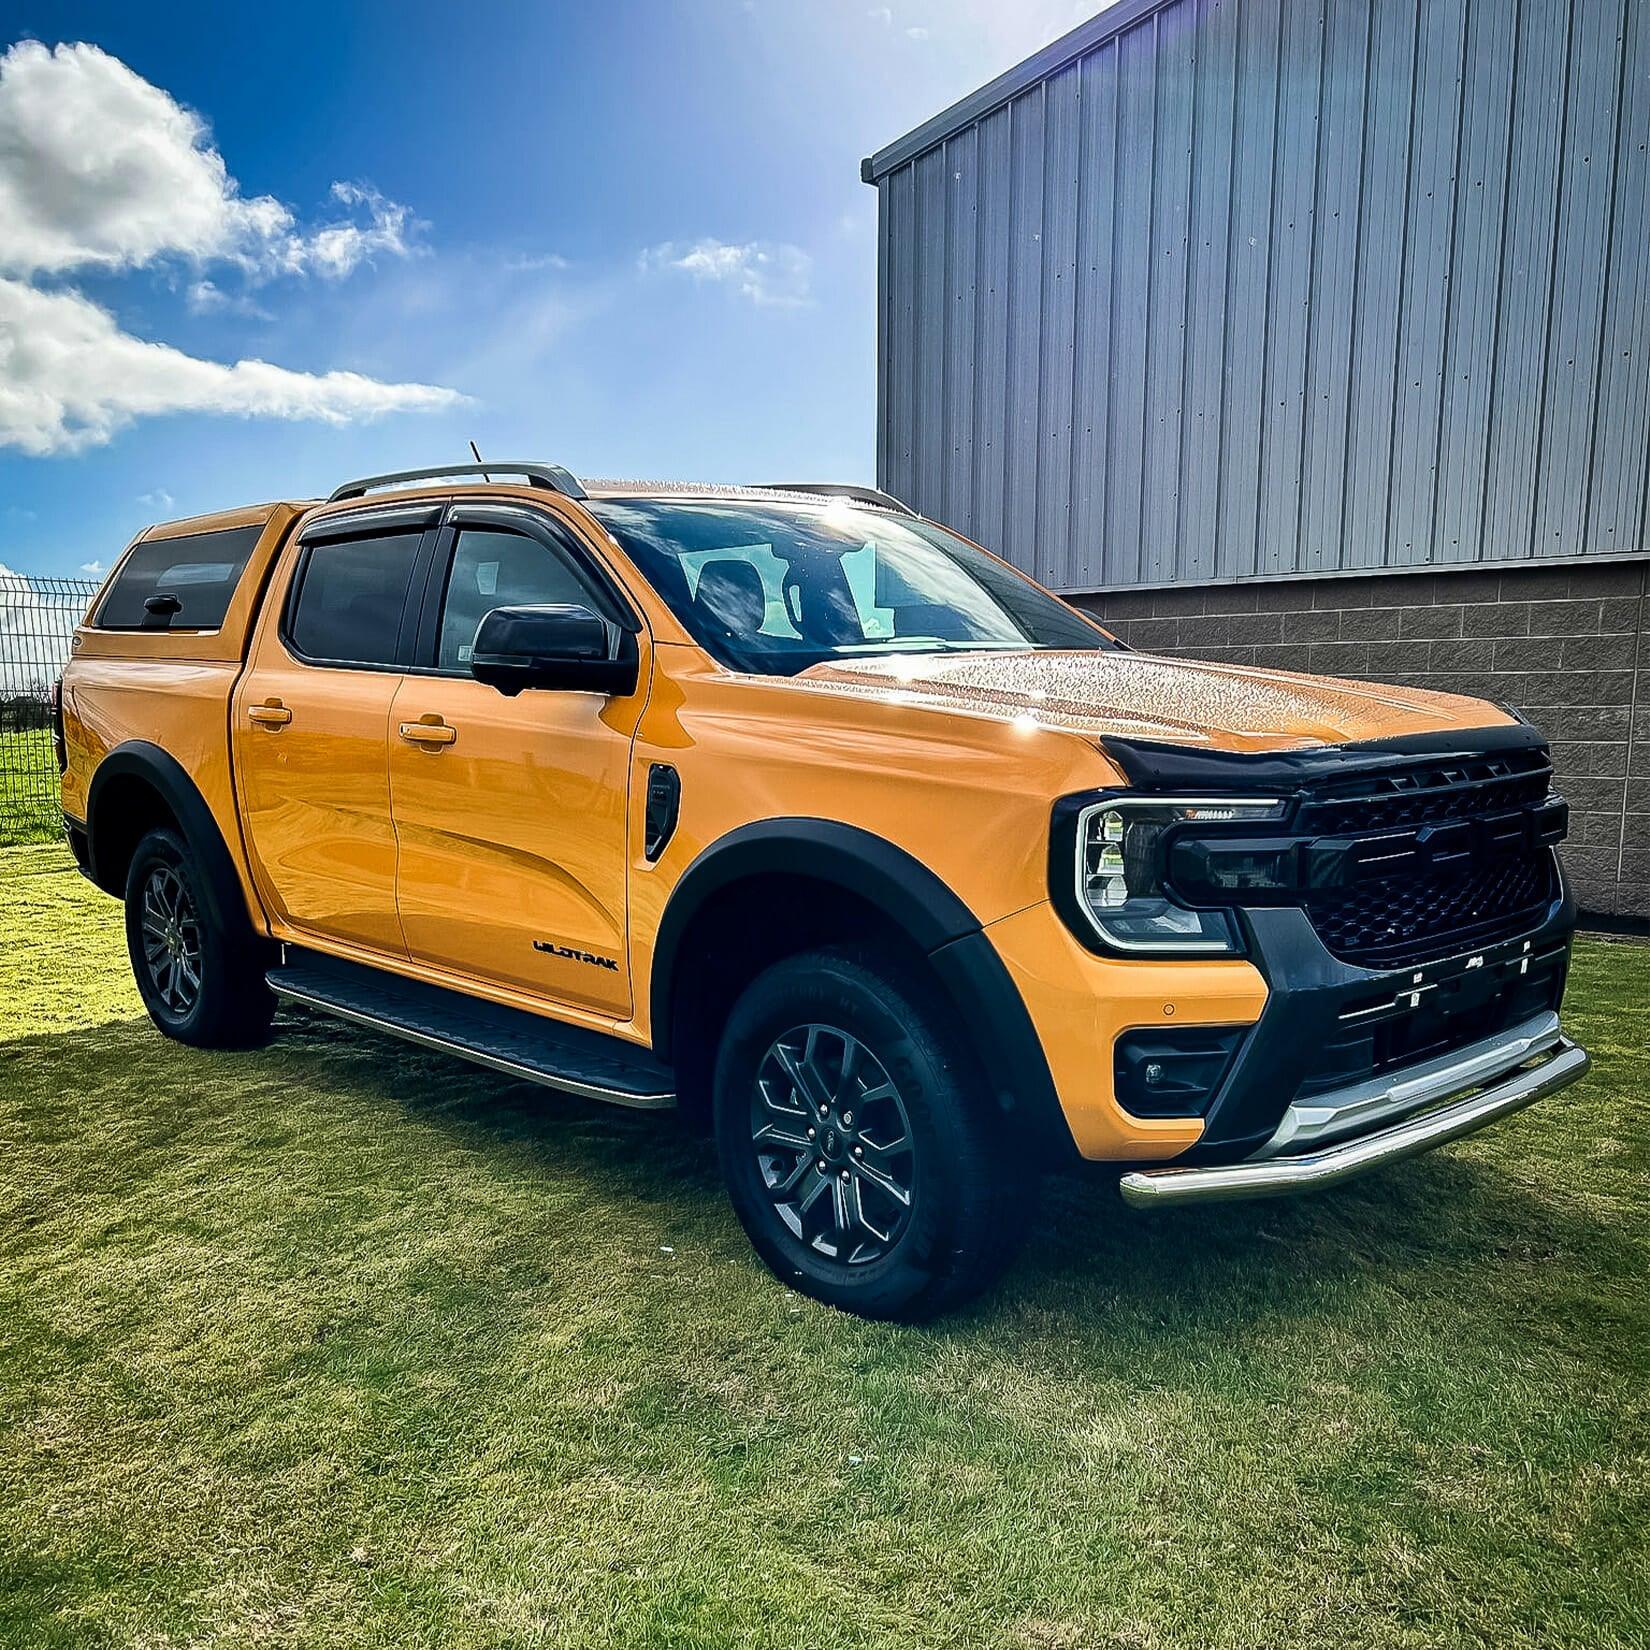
(339, 1343)
(29, 806)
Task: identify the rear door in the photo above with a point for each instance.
(310, 725)
(511, 813)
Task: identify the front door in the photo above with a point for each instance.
(310, 728)
(511, 813)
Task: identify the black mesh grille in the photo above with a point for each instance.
(1417, 914)
(1397, 920)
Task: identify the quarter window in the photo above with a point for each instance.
(198, 572)
(492, 569)
(352, 599)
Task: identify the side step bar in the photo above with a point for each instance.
(508, 1040)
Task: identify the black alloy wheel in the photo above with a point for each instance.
(833, 1143)
(865, 1163)
(171, 939)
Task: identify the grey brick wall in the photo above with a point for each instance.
(1569, 646)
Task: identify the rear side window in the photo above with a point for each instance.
(178, 584)
(351, 601)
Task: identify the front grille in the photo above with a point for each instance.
(1457, 900)
(1394, 921)
(1462, 788)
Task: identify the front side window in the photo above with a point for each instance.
(183, 583)
(351, 601)
(491, 569)
(775, 588)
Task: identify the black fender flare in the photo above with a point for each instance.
(221, 892)
(989, 1007)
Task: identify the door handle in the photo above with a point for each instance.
(428, 730)
(271, 714)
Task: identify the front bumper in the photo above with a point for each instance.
(1313, 1026)
(1332, 1031)
(1269, 1175)
(1349, 1069)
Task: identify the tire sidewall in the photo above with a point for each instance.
(835, 991)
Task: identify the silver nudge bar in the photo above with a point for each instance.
(1274, 1176)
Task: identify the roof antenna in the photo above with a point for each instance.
(476, 452)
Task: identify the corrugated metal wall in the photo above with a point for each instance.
(1284, 286)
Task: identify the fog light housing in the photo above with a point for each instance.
(1173, 1073)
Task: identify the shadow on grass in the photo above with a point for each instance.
(1089, 1266)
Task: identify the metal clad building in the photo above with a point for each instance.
(1249, 294)
(1218, 288)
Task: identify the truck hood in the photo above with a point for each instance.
(1143, 696)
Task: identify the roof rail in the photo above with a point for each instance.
(550, 476)
(843, 489)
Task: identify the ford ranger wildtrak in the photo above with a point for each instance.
(792, 809)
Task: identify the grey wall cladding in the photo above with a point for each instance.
(1248, 287)
(1570, 646)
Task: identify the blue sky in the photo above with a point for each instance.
(630, 238)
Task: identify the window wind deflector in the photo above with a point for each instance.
(408, 518)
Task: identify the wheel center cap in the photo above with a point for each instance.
(832, 1144)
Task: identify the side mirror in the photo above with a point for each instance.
(566, 647)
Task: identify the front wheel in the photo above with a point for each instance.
(199, 985)
(862, 1162)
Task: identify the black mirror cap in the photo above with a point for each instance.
(565, 647)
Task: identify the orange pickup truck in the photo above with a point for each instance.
(795, 810)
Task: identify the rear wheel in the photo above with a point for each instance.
(200, 984)
(862, 1163)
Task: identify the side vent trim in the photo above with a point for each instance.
(664, 803)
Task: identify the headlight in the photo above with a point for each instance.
(1119, 871)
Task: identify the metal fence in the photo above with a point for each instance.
(37, 620)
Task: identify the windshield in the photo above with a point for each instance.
(775, 588)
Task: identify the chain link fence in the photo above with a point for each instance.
(37, 620)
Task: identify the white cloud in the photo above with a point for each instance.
(208, 298)
(336, 250)
(101, 170)
(92, 569)
(530, 263)
(98, 168)
(916, 33)
(159, 499)
(768, 273)
(70, 378)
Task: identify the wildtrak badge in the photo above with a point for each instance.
(552, 949)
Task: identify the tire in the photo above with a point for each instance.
(844, 1236)
(201, 985)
